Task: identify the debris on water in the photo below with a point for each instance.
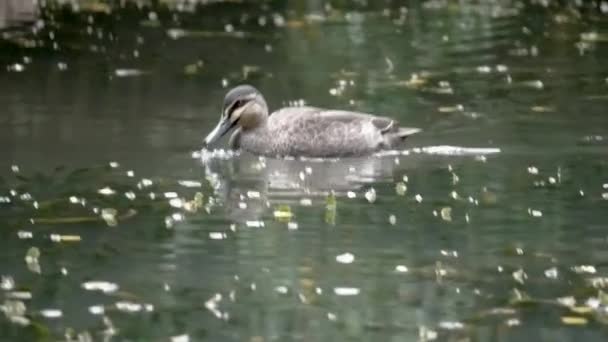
(109, 216)
(169, 222)
(346, 258)
(218, 236)
(176, 202)
(446, 214)
(346, 291)
(451, 109)
(574, 320)
(107, 191)
(65, 238)
(180, 338)
(400, 188)
(128, 72)
(533, 170)
(283, 213)
(254, 224)
(351, 194)
(520, 276)
(370, 195)
(99, 285)
(292, 225)
(401, 269)
(551, 273)
(16, 67)
(590, 269)
(330, 208)
(23, 234)
(7, 283)
(51, 313)
(447, 325)
(535, 212)
(418, 198)
(31, 259)
(392, 219)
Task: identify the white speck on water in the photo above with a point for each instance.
(370, 195)
(392, 219)
(535, 212)
(254, 224)
(16, 67)
(502, 68)
(532, 170)
(418, 198)
(454, 195)
(552, 180)
(218, 236)
(484, 69)
(15, 168)
(176, 202)
(51, 313)
(292, 225)
(253, 194)
(180, 338)
(551, 273)
(584, 269)
(130, 173)
(109, 216)
(281, 289)
(400, 188)
(346, 291)
(447, 325)
(128, 72)
(7, 283)
(130, 195)
(351, 194)
(401, 269)
(446, 214)
(605, 195)
(97, 309)
(332, 316)
(242, 205)
(24, 234)
(107, 191)
(103, 286)
(520, 276)
(581, 192)
(306, 202)
(170, 194)
(169, 222)
(346, 258)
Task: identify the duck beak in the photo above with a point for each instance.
(219, 131)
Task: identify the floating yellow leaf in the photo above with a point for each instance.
(574, 320)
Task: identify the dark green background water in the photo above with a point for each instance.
(491, 227)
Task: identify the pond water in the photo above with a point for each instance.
(490, 226)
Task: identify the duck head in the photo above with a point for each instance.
(244, 107)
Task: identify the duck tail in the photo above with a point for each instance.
(398, 135)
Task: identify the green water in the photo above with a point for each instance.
(490, 226)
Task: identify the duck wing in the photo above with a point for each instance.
(385, 125)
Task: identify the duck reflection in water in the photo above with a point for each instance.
(320, 151)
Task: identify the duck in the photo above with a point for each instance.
(302, 131)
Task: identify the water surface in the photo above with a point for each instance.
(490, 226)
